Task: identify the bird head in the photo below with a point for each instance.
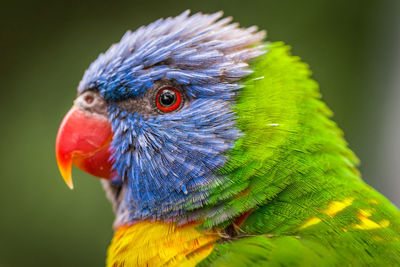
(154, 114)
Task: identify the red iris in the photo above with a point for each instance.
(168, 99)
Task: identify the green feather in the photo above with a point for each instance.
(293, 169)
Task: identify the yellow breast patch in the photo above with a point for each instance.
(159, 244)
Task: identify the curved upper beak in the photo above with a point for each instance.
(83, 140)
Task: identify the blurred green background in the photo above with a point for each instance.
(352, 47)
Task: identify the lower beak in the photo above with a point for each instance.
(83, 140)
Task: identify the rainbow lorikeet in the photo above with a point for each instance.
(215, 150)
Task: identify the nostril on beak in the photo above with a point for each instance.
(89, 99)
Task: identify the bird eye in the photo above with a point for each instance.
(168, 99)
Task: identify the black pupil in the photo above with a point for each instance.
(167, 98)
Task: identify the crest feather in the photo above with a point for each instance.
(190, 50)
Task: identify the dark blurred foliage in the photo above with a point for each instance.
(45, 47)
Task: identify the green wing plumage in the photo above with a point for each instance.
(293, 170)
(272, 251)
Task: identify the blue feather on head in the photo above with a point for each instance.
(166, 162)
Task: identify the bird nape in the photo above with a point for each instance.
(214, 148)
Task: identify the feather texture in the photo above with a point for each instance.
(294, 170)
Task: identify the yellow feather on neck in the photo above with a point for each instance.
(159, 244)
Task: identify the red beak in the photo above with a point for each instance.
(83, 140)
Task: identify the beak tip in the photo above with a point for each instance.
(65, 171)
(70, 185)
(67, 178)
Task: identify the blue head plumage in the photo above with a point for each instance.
(165, 162)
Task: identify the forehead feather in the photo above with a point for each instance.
(200, 52)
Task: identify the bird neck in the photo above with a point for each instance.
(288, 138)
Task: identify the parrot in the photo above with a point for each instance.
(215, 149)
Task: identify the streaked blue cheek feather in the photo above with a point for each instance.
(170, 160)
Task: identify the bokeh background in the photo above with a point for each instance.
(353, 48)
